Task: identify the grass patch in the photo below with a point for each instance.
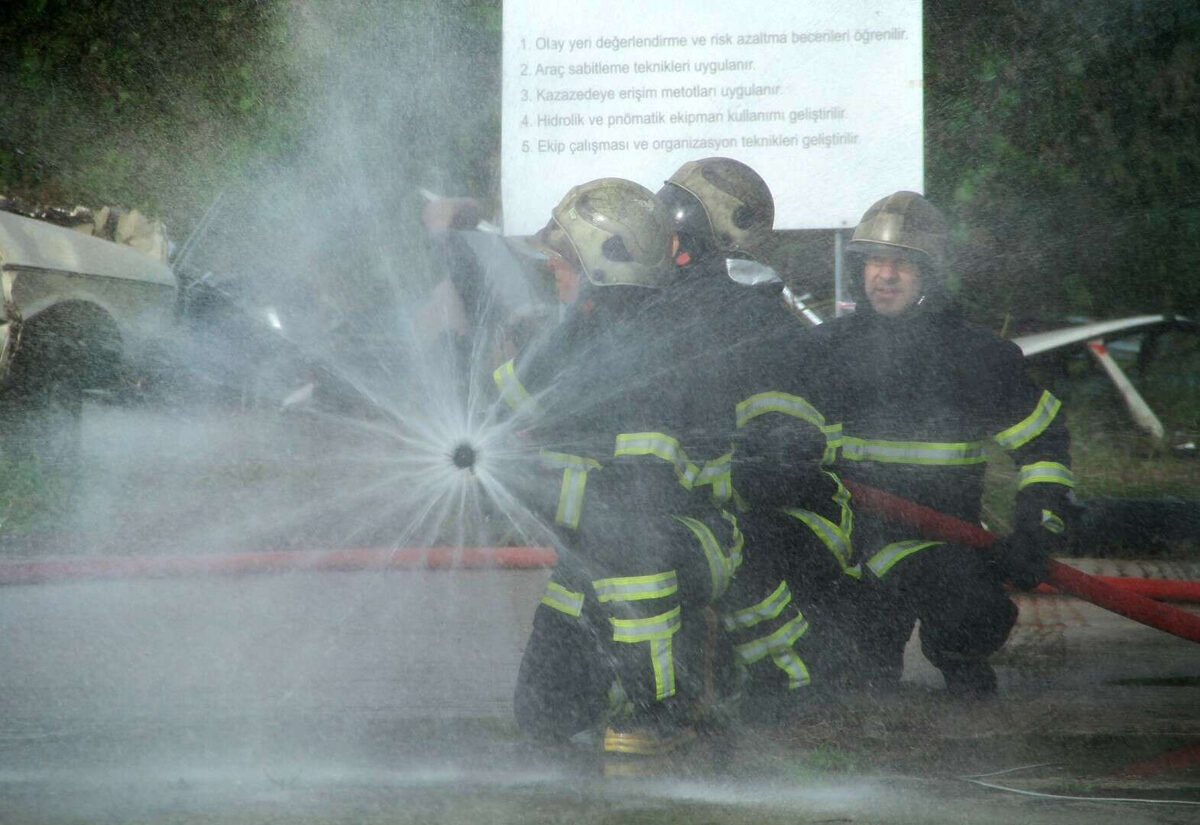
(34, 496)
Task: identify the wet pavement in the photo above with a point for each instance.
(383, 696)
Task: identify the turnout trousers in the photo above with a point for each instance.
(622, 627)
(956, 594)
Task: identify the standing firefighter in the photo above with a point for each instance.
(616, 645)
(918, 391)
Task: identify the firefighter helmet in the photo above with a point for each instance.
(906, 224)
(615, 231)
(719, 204)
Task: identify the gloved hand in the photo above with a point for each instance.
(1039, 532)
(779, 466)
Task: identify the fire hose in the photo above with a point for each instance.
(1101, 593)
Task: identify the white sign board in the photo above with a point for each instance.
(823, 98)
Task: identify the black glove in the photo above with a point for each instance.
(1040, 531)
(779, 466)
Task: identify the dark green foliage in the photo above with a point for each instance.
(119, 102)
(1063, 138)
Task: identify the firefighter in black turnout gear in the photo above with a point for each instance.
(723, 213)
(620, 434)
(917, 391)
(741, 323)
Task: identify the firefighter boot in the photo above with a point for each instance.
(656, 731)
(969, 678)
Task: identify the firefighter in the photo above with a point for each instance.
(723, 211)
(917, 391)
(616, 648)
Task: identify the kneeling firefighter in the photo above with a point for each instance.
(723, 213)
(617, 646)
(793, 512)
(918, 391)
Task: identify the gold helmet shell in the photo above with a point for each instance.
(616, 231)
(736, 200)
(903, 223)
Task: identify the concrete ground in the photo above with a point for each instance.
(384, 696)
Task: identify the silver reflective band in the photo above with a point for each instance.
(886, 559)
(563, 600)
(778, 646)
(574, 484)
(512, 390)
(660, 446)
(1045, 472)
(833, 442)
(661, 626)
(913, 452)
(636, 588)
(566, 460)
(721, 567)
(1051, 522)
(831, 535)
(774, 644)
(778, 402)
(767, 609)
(794, 667)
(1033, 426)
(663, 659)
(718, 473)
(657, 630)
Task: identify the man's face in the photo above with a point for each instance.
(566, 279)
(892, 284)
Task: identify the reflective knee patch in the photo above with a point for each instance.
(778, 643)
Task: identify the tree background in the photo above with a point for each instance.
(1062, 137)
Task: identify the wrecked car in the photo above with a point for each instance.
(79, 310)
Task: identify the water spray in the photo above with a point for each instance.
(464, 456)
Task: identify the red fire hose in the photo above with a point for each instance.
(1067, 579)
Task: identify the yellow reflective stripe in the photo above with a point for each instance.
(886, 559)
(841, 497)
(563, 600)
(767, 609)
(512, 390)
(618, 702)
(778, 644)
(662, 658)
(833, 442)
(740, 503)
(657, 630)
(1033, 426)
(795, 668)
(913, 452)
(1051, 522)
(737, 540)
(566, 460)
(720, 566)
(774, 644)
(662, 626)
(661, 446)
(635, 588)
(777, 402)
(718, 473)
(574, 484)
(570, 498)
(831, 535)
(1045, 472)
